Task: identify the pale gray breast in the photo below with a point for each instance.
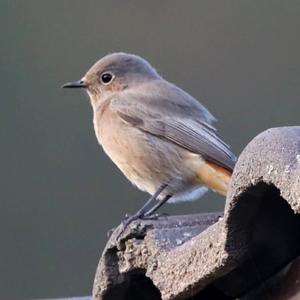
(145, 160)
(128, 147)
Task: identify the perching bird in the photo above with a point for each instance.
(159, 136)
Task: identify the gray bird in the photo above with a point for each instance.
(159, 136)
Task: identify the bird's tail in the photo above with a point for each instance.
(215, 177)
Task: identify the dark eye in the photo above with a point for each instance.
(106, 78)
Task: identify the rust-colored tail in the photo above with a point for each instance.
(215, 177)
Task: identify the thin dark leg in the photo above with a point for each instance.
(159, 204)
(144, 210)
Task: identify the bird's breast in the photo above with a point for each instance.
(147, 161)
(127, 147)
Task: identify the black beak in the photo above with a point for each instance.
(75, 84)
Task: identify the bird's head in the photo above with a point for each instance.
(112, 74)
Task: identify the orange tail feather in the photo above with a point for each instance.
(215, 177)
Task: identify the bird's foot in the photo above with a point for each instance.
(139, 216)
(127, 221)
(155, 216)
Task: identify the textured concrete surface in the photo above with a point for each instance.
(274, 158)
(205, 256)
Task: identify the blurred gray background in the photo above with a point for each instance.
(59, 193)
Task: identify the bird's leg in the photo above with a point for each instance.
(144, 211)
(154, 208)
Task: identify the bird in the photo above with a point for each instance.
(160, 137)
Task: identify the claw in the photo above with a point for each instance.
(128, 219)
(154, 216)
(145, 212)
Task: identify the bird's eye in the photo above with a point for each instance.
(106, 77)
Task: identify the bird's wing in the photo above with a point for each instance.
(186, 128)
